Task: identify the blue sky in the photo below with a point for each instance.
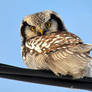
(77, 16)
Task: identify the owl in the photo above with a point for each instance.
(47, 44)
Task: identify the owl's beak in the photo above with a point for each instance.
(41, 31)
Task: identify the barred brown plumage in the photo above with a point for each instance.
(50, 42)
(54, 48)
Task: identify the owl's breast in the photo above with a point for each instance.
(33, 59)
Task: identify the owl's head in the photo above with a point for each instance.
(41, 23)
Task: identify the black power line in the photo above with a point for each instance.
(43, 77)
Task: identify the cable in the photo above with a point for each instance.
(43, 77)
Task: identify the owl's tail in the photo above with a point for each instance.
(86, 49)
(74, 61)
(82, 48)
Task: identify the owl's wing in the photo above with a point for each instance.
(70, 62)
(67, 54)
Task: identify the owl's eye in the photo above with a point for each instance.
(33, 28)
(48, 24)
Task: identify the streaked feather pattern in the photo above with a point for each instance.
(63, 53)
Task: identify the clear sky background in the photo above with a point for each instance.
(77, 16)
